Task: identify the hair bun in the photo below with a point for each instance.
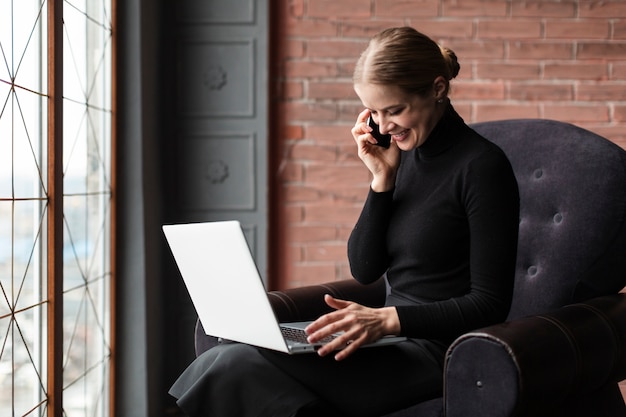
(451, 60)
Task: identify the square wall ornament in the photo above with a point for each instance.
(219, 79)
(217, 172)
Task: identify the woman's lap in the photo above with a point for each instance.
(237, 379)
(234, 380)
(373, 381)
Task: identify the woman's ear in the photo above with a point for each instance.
(440, 87)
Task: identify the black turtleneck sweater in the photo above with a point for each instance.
(446, 236)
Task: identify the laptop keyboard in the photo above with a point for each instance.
(299, 335)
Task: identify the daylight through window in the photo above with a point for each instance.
(28, 149)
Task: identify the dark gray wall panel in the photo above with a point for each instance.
(221, 115)
(218, 79)
(219, 173)
(217, 11)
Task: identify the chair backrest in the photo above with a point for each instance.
(572, 236)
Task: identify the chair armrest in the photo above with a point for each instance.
(530, 365)
(307, 303)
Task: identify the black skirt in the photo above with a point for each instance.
(245, 381)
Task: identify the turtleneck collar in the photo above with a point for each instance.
(443, 135)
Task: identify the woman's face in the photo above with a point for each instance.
(408, 118)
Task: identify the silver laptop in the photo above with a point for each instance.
(227, 291)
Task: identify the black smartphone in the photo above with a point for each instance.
(382, 140)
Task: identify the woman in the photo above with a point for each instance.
(440, 221)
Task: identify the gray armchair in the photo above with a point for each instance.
(562, 351)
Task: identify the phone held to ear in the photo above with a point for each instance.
(381, 140)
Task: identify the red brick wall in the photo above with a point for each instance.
(561, 59)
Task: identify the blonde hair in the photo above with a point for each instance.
(404, 57)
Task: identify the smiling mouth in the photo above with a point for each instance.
(399, 135)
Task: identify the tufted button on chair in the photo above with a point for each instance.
(562, 350)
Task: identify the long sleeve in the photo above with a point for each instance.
(367, 246)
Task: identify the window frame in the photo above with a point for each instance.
(55, 243)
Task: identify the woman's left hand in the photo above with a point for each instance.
(360, 325)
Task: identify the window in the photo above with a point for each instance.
(55, 207)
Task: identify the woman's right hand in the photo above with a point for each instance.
(382, 163)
